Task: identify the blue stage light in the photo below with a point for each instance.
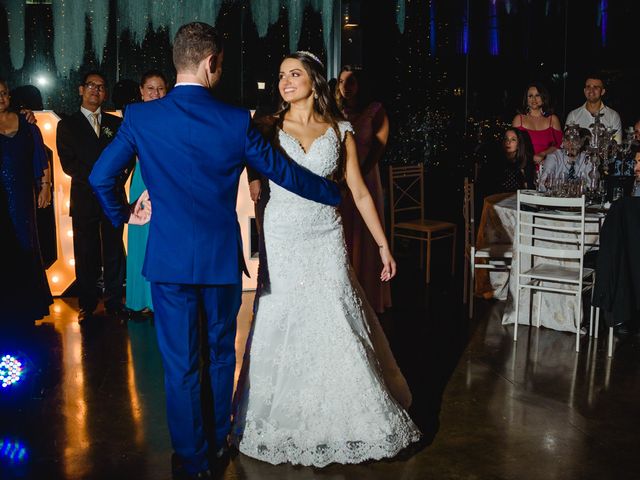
(13, 451)
(10, 370)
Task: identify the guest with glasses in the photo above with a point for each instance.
(97, 244)
(570, 162)
(25, 184)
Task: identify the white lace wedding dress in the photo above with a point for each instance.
(321, 385)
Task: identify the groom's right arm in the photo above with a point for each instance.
(108, 170)
(267, 160)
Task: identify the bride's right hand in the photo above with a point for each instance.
(388, 264)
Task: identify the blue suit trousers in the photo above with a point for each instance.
(177, 307)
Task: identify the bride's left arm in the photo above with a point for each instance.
(366, 207)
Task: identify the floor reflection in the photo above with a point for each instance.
(75, 404)
(95, 406)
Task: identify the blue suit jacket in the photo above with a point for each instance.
(192, 150)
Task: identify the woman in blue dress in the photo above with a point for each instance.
(153, 85)
(25, 184)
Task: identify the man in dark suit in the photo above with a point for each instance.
(97, 244)
(192, 150)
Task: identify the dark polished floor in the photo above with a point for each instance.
(91, 405)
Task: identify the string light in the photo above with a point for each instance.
(61, 273)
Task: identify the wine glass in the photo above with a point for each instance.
(617, 193)
(537, 174)
(602, 192)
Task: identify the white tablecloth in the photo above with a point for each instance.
(497, 225)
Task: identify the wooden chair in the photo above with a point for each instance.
(551, 228)
(407, 196)
(493, 257)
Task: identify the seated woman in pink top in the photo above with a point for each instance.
(539, 122)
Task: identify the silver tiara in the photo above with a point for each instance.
(310, 55)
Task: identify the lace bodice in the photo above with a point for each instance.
(321, 159)
(323, 154)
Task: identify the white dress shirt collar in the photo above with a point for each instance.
(87, 113)
(603, 108)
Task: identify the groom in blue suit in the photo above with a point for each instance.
(192, 150)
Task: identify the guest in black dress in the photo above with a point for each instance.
(24, 185)
(513, 169)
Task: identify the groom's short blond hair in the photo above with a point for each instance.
(194, 42)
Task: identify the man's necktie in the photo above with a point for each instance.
(95, 123)
(572, 171)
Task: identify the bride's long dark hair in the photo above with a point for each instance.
(324, 103)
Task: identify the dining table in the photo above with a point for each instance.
(497, 226)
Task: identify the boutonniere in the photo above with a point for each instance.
(107, 132)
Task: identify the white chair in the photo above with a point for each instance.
(593, 332)
(551, 229)
(407, 195)
(494, 257)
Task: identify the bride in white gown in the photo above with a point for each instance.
(319, 384)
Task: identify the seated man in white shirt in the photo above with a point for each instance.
(584, 115)
(568, 162)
